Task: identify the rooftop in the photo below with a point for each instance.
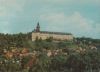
(47, 32)
(37, 30)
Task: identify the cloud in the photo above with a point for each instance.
(9, 6)
(75, 23)
(72, 1)
(79, 21)
(60, 18)
(9, 10)
(55, 15)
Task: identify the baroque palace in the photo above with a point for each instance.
(46, 34)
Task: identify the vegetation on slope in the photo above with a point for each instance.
(19, 54)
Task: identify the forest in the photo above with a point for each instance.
(19, 54)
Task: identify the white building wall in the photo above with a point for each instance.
(55, 36)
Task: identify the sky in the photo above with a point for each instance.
(79, 17)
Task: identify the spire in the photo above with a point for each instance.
(38, 27)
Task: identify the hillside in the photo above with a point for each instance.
(19, 54)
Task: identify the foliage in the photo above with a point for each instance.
(71, 56)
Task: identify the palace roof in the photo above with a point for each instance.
(47, 32)
(37, 30)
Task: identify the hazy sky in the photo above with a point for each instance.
(79, 17)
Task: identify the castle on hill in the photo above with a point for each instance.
(46, 34)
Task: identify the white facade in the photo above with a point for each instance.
(44, 36)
